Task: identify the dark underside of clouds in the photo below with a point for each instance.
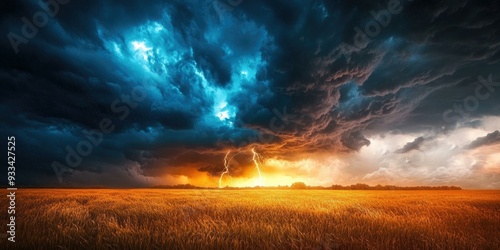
(181, 82)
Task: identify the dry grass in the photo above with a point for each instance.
(256, 219)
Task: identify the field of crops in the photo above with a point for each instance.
(255, 219)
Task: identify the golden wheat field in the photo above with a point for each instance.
(255, 219)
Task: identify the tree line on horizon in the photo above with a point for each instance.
(302, 185)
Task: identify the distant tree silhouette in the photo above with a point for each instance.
(362, 186)
(302, 185)
(299, 185)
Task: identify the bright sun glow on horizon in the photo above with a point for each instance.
(441, 159)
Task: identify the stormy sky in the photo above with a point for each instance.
(135, 93)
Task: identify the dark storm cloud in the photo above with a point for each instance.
(410, 146)
(261, 58)
(399, 70)
(211, 62)
(355, 141)
(489, 139)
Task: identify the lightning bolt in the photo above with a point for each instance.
(226, 166)
(256, 158)
(226, 169)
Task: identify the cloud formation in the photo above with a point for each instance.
(490, 139)
(274, 75)
(414, 145)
